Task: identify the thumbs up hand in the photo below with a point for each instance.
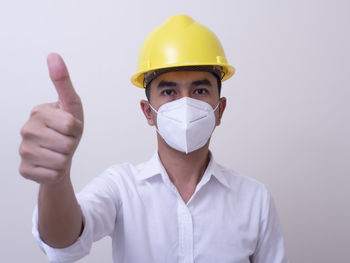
(53, 131)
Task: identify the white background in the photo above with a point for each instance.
(286, 123)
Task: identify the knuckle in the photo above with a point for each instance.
(42, 110)
(24, 171)
(23, 151)
(25, 131)
(68, 146)
(62, 161)
(30, 130)
(68, 124)
(36, 110)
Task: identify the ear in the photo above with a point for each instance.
(221, 110)
(147, 111)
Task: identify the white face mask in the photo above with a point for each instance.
(186, 124)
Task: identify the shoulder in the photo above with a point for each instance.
(113, 180)
(238, 180)
(123, 173)
(121, 170)
(244, 187)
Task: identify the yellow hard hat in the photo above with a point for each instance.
(180, 42)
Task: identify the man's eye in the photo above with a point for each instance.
(168, 92)
(200, 91)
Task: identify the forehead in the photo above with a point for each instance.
(184, 77)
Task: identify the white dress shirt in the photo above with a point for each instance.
(229, 218)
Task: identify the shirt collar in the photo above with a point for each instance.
(154, 167)
(214, 169)
(150, 168)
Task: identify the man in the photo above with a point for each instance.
(180, 206)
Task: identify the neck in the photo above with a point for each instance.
(184, 170)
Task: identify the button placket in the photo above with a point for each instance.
(185, 233)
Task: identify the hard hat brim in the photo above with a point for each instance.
(138, 78)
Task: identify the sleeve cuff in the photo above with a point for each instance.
(80, 248)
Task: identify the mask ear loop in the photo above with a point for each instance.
(217, 105)
(152, 108)
(157, 115)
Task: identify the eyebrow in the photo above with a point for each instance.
(201, 82)
(165, 83)
(204, 82)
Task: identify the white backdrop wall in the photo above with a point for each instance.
(286, 123)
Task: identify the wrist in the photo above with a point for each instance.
(62, 182)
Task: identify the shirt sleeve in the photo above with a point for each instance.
(99, 203)
(270, 246)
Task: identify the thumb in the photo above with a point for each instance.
(69, 100)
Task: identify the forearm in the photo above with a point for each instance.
(49, 140)
(60, 220)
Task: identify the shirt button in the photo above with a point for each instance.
(187, 218)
